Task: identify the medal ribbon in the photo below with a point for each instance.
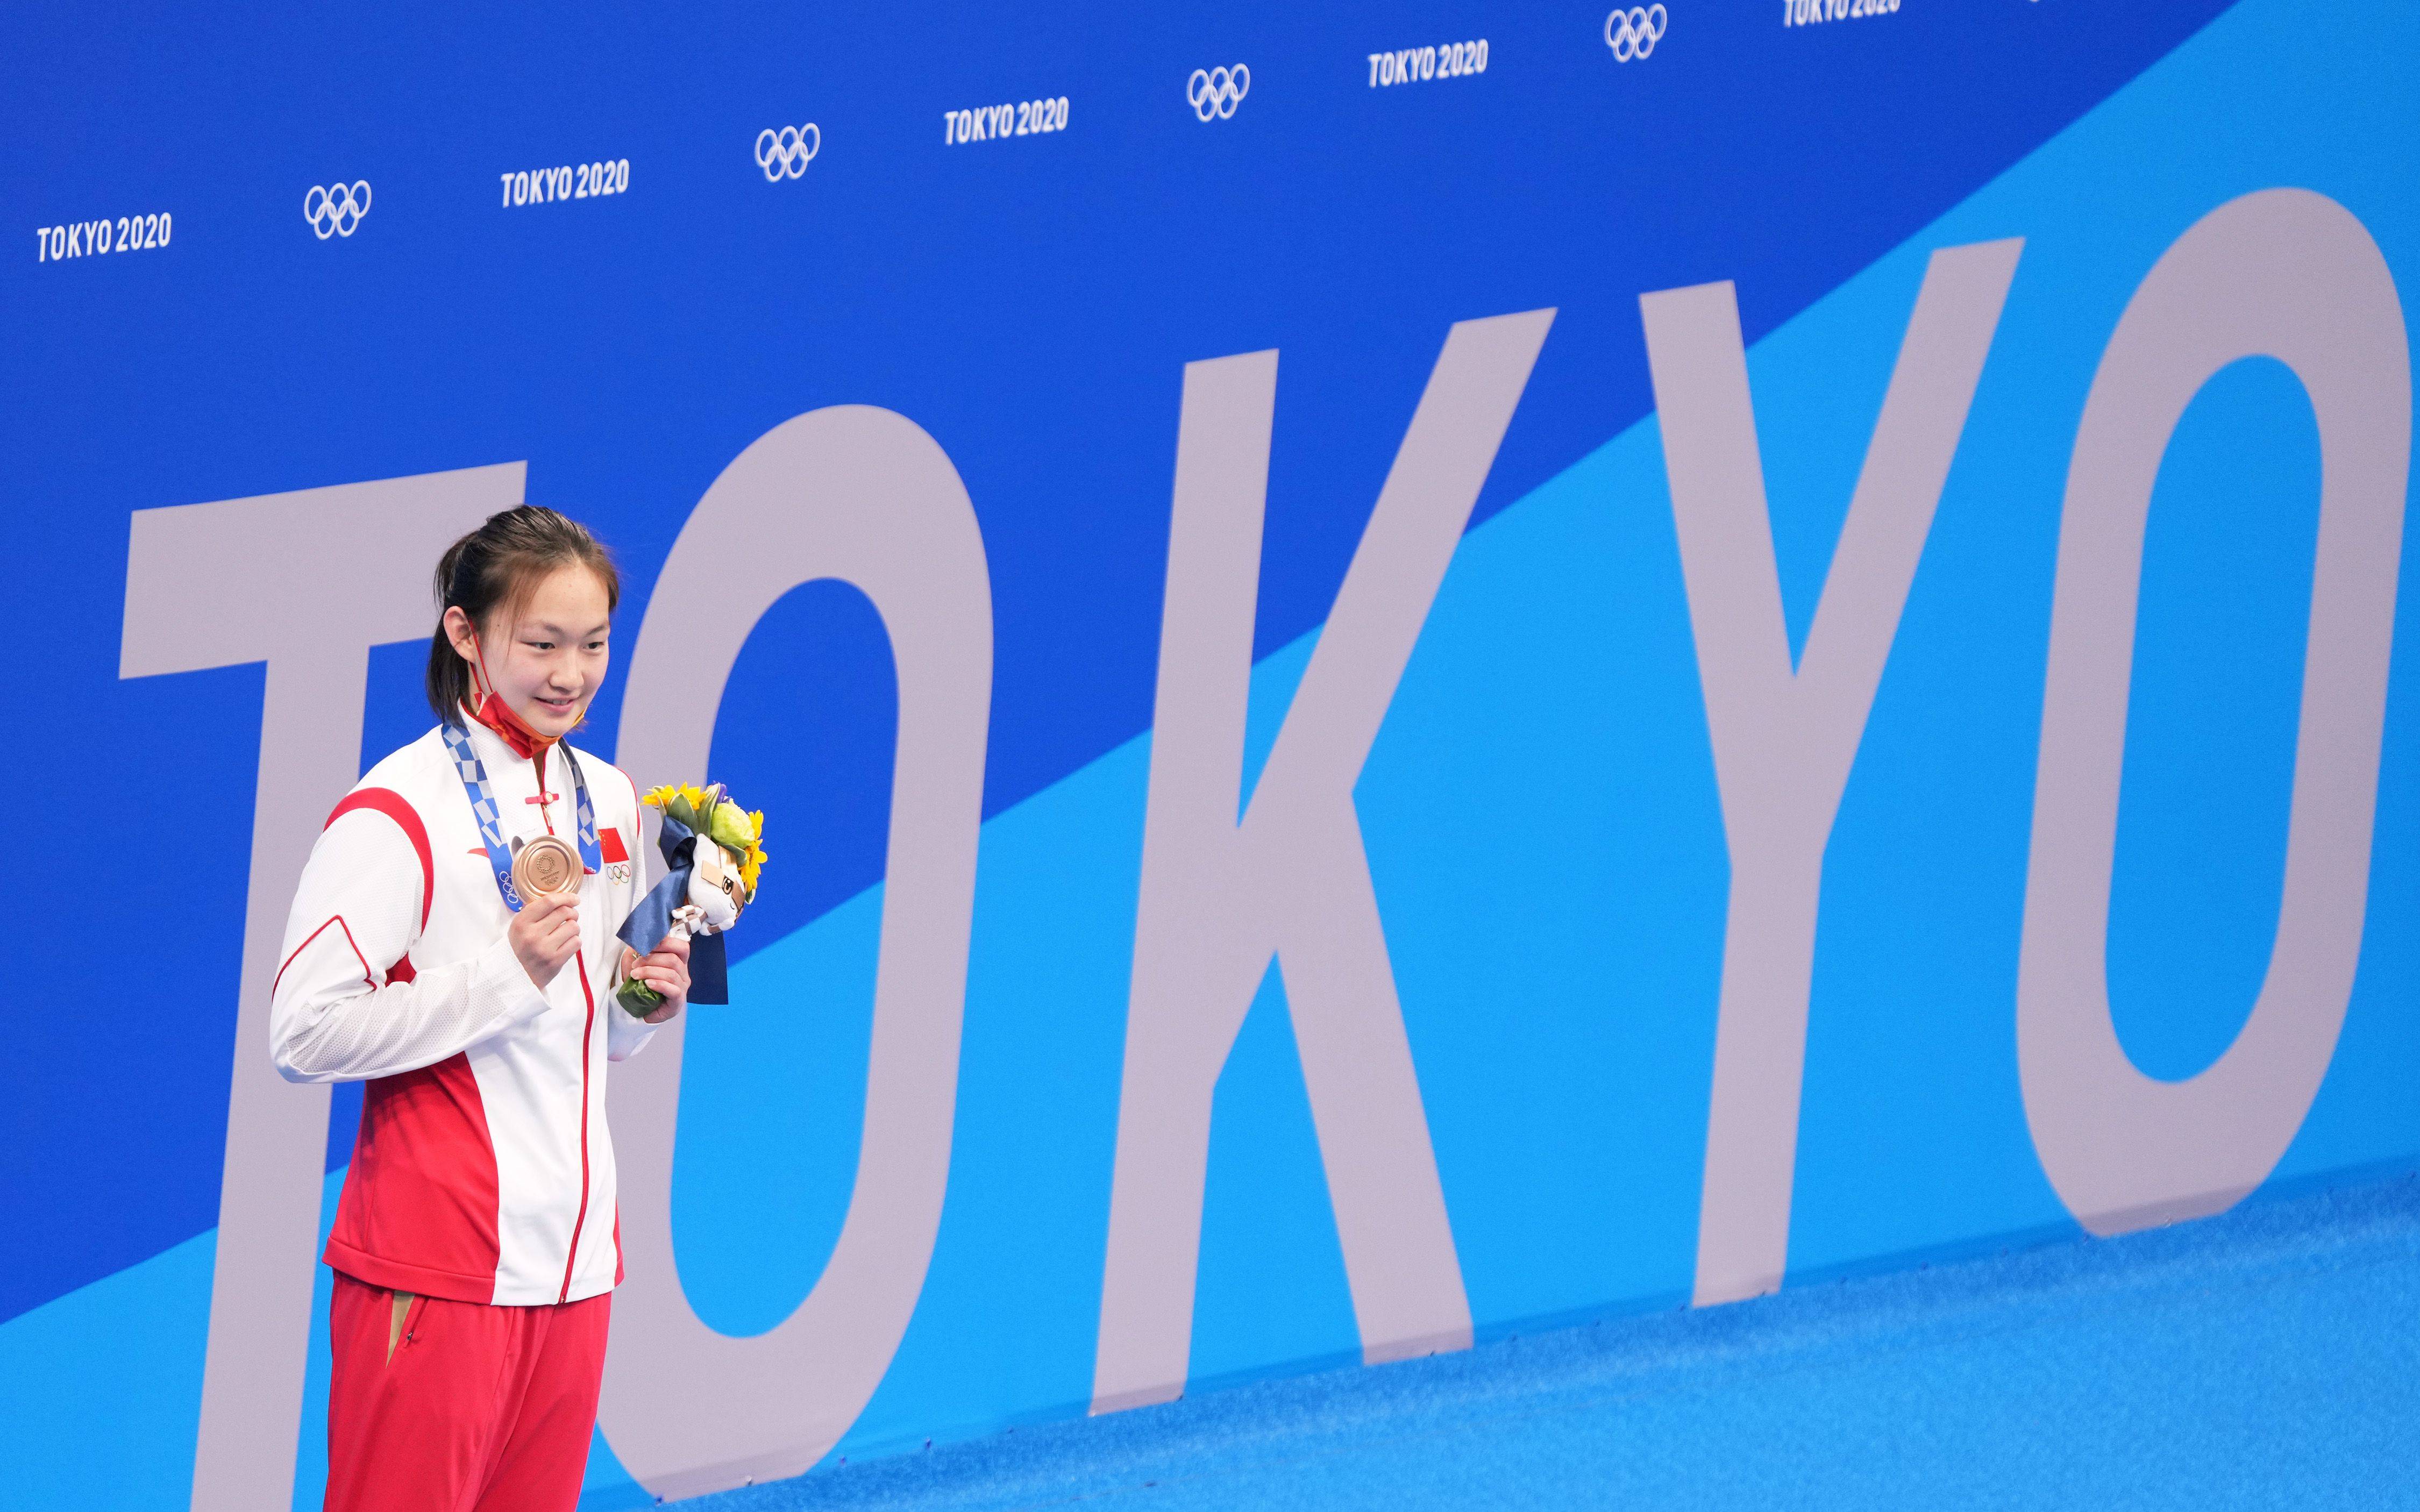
(474, 774)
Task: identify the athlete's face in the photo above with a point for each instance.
(547, 662)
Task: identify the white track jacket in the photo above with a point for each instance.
(483, 1171)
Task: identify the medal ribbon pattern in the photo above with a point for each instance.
(474, 774)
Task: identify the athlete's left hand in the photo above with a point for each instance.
(666, 970)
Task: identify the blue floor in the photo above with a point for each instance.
(2269, 1358)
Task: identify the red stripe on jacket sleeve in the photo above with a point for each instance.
(390, 803)
(337, 919)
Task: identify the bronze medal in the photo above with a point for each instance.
(546, 865)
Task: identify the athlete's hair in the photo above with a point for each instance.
(495, 567)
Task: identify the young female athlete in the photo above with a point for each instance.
(475, 1247)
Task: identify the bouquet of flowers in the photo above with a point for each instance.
(713, 850)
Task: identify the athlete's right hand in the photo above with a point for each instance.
(545, 934)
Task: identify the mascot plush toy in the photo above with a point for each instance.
(712, 851)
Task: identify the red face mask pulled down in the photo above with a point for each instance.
(498, 716)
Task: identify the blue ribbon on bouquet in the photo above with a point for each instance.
(651, 919)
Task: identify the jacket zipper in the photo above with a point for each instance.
(587, 1030)
(587, 1033)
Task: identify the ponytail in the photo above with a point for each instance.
(494, 568)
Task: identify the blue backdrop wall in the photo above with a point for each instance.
(1941, 781)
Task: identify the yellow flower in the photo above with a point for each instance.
(751, 858)
(727, 818)
(680, 801)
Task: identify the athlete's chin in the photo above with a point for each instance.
(553, 718)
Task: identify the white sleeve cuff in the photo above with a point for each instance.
(625, 1035)
(501, 990)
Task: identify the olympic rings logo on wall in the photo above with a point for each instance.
(1635, 32)
(337, 209)
(785, 153)
(1215, 93)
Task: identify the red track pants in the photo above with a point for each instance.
(478, 1409)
